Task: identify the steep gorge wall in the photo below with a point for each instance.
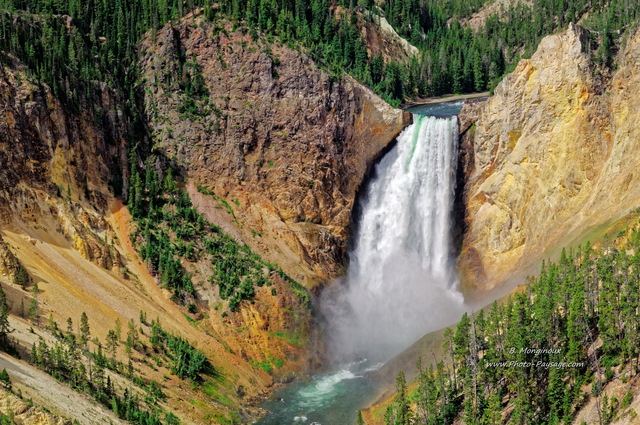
(60, 222)
(56, 167)
(281, 144)
(549, 158)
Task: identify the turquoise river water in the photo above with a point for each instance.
(327, 399)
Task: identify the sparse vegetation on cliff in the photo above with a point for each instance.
(100, 374)
(171, 231)
(69, 360)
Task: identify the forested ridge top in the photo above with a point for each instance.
(98, 42)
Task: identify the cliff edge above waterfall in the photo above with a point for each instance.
(550, 157)
(278, 142)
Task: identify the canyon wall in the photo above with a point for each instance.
(279, 144)
(273, 150)
(550, 158)
(65, 248)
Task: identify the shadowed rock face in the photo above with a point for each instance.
(280, 141)
(552, 155)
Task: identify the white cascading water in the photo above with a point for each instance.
(401, 281)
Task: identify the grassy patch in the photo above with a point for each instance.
(291, 339)
(232, 418)
(210, 390)
(264, 365)
(269, 364)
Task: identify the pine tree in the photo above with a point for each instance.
(170, 184)
(479, 81)
(448, 346)
(85, 330)
(33, 310)
(493, 413)
(112, 343)
(118, 330)
(400, 412)
(5, 379)
(143, 317)
(52, 325)
(33, 304)
(22, 278)
(377, 69)
(132, 337)
(426, 396)
(5, 329)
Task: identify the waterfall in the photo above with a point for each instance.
(401, 281)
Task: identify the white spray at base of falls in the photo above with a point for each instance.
(401, 281)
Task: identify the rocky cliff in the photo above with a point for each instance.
(55, 168)
(549, 158)
(23, 411)
(280, 144)
(273, 149)
(379, 36)
(65, 249)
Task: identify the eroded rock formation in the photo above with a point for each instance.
(55, 167)
(281, 144)
(550, 157)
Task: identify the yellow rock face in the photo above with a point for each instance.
(25, 414)
(552, 155)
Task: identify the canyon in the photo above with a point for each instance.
(286, 146)
(546, 163)
(266, 164)
(275, 149)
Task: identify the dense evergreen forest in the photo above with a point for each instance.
(453, 59)
(544, 352)
(72, 45)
